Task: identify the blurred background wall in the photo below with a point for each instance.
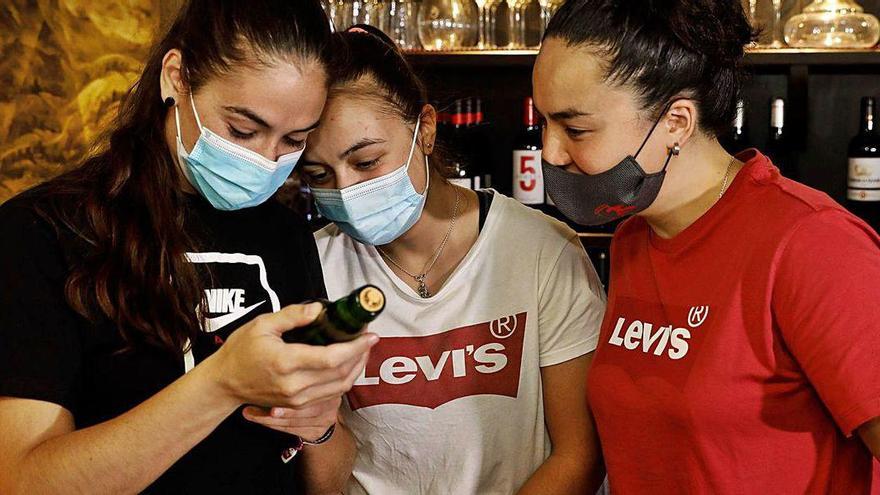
(64, 64)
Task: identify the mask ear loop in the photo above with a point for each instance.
(192, 102)
(671, 152)
(177, 118)
(412, 150)
(177, 122)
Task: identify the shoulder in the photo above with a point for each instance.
(829, 234)
(335, 248)
(528, 224)
(30, 239)
(768, 195)
(329, 235)
(25, 219)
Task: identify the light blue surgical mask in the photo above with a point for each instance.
(379, 210)
(230, 176)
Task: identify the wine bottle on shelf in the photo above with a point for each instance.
(778, 145)
(737, 139)
(528, 177)
(462, 173)
(481, 146)
(470, 117)
(863, 182)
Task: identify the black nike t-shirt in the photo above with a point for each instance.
(260, 260)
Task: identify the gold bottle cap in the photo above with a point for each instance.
(371, 299)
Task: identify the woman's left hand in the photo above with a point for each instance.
(308, 423)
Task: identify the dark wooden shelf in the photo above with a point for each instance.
(754, 57)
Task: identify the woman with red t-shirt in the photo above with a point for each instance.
(739, 351)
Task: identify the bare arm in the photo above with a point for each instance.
(870, 433)
(575, 463)
(324, 468)
(41, 452)
(327, 467)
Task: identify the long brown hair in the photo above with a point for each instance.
(124, 206)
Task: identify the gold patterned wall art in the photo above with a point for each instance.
(64, 64)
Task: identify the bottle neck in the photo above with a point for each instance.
(458, 118)
(530, 117)
(478, 111)
(739, 122)
(777, 116)
(346, 315)
(868, 124)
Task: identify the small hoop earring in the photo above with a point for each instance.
(169, 102)
(675, 150)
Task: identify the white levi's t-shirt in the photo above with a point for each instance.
(451, 398)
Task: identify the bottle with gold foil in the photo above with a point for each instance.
(341, 320)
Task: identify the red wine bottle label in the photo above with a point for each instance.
(864, 179)
(528, 179)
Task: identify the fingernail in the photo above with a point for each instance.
(372, 339)
(275, 412)
(313, 309)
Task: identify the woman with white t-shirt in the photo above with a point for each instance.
(478, 383)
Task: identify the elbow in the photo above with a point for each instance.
(584, 466)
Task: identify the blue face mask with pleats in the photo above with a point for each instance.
(230, 176)
(380, 210)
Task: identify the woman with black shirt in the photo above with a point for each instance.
(130, 287)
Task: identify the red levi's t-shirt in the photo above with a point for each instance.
(741, 355)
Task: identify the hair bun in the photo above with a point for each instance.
(708, 27)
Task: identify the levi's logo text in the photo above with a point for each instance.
(650, 339)
(432, 370)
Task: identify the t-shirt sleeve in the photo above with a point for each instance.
(826, 302)
(571, 306)
(40, 343)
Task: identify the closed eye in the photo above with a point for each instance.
(576, 133)
(366, 165)
(296, 144)
(240, 134)
(316, 175)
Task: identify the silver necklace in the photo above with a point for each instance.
(726, 177)
(420, 278)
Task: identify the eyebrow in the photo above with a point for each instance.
(363, 143)
(244, 112)
(569, 113)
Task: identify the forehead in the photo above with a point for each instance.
(346, 120)
(357, 114)
(569, 77)
(284, 94)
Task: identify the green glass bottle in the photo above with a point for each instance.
(341, 320)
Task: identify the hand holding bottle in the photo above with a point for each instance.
(255, 366)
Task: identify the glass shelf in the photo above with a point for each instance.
(754, 57)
